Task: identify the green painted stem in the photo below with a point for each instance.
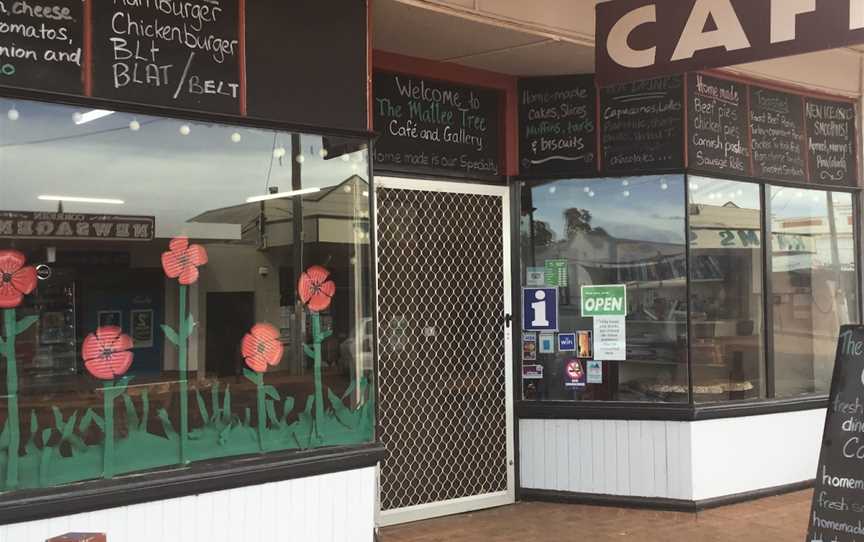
(319, 391)
(108, 407)
(12, 393)
(184, 383)
(262, 419)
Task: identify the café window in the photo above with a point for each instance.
(714, 312)
(176, 291)
(625, 232)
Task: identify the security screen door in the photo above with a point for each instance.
(445, 377)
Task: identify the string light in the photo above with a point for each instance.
(625, 182)
(77, 117)
(323, 153)
(346, 158)
(185, 130)
(300, 158)
(626, 193)
(664, 186)
(587, 189)
(591, 194)
(236, 137)
(553, 189)
(13, 114)
(134, 125)
(279, 152)
(694, 186)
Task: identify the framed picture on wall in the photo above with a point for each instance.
(141, 328)
(110, 318)
(52, 327)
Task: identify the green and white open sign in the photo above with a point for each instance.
(609, 300)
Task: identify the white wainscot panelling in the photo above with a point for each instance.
(739, 455)
(607, 457)
(336, 507)
(690, 461)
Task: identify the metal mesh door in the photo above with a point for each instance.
(441, 346)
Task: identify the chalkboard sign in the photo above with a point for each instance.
(831, 149)
(838, 501)
(777, 128)
(717, 125)
(183, 54)
(41, 45)
(435, 127)
(558, 125)
(642, 125)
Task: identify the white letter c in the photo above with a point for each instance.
(617, 43)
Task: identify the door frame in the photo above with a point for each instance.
(477, 502)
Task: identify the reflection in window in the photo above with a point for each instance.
(176, 291)
(611, 231)
(727, 352)
(813, 285)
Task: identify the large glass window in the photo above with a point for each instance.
(175, 291)
(814, 280)
(626, 232)
(726, 293)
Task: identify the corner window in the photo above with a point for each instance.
(814, 285)
(176, 291)
(626, 233)
(726, 290)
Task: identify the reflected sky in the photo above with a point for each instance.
(159, 168)
(641, 208)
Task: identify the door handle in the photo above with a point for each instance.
(508, 319)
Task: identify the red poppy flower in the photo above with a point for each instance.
(106, 353)
(315, 288)
(16, 280)
(261, 347)
(183, 260)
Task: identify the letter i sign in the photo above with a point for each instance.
(540, 309)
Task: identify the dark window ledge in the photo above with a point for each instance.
(198, 478)
(561, 410)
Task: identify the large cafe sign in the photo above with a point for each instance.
(641, 39)
(75, 226)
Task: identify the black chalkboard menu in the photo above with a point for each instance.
(294, 62)
(777, 128)
(558, 125)
(831, 147)
(838, 501)
(41, 46)
(435, 127)
(642, 125)
(717, 125)
(183, 54)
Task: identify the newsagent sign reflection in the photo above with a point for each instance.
(641, 39)
(76, 226)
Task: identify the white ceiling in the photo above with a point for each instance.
(416, 31)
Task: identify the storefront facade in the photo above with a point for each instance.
(549, 289)
(187, 286)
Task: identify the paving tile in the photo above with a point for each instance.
(779, 519)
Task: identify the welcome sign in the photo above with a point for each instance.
(641, 39)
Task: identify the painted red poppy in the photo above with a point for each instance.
(183, 260)
(16, 279)
(106, 353)
(261, 347)
(315, 288)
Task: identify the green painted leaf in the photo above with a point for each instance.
(309, 351)
(24, 324)
(325, 335)
(77, 444)
(214, 400)
(170, 334)
(90, 417)
(131, 413)
(58, 418)
(252, 376)
(145, 410)
(67, 430)
(166, 423)
(202, 407)
(287, 407)
(343, 415)
(46, 436)
(271, 413)
(309, 402)
(271, 392)
(34, 423)
(5, 437)
(2, 345)
(350, 390)
(247, 420)
(226, 402)
(190, 325)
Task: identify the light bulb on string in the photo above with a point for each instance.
(323, 152)
(300, 158)
(553, 189)
(185, 130)
(13, 114)
(587, 189)
(134, 125)
(77, 117)
(591, 194)
(236, 137)
(625, 182)
(279, 153)
(694, 186)
(626, 193)
(346, 158)
(664, 186)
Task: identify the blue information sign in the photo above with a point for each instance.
(540, 309)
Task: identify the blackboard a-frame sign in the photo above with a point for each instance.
(837, 513)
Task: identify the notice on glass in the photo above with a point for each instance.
(610, 338)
